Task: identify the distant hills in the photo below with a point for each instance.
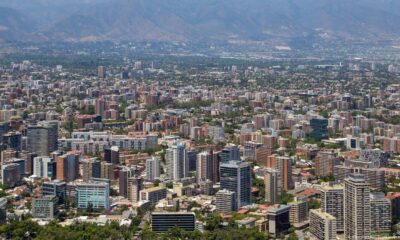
(198, 20)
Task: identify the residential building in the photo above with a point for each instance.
(322, 225)
(235, 176)
(357, 208)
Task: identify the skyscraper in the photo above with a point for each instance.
(298, 211)
(225, 201)
(135, 185)
(381, 217)
(10, 174)
(192, 159)
(107, 170)
(177, 161)
(284, 167)
(332, 202)
(67, 167)
(322, 225)
(152, 168)
(319, 128)
(204, 166)
(124, 174)
(44, 167)
(271, 178)
(357, 208)
(111, 155)
(100, 107)
(231, 152)
(236, 177)
(91, 168)
(325, 162)
(42, 138)
(101, 72)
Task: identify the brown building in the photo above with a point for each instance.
(325, 161)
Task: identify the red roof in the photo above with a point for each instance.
(392, 196)
(243, 211)
(263, 207)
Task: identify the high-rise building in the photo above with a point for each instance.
(250, 150)
(91, 168)
(101, 72)
(42, 138)
(319, 128)
(56, 188)
(20, 162)
(278, 220)
(67, 167)
(3, 211)
(271, 179)
(322, 225)
(124, 174)
(394, 199)
(107, 170)
(92, 194)
(381, 217)
(231, 152)
(298, 211)
(111, 155)
(28, 157)
(100, 107)
(10, 174)
(325, 162)
(163, 221)
(13, 140)
(152, 168)
(332, 202)
(204, 167)
(235, 176)
(45, 207)
(225, 201)
(284, 167)
(44, 167)
(135, 185)
(192, 159)
(357, 208)
(177, 162)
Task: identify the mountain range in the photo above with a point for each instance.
(198, 20)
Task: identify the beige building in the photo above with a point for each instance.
(271, 178)
(357, 208)
(322, 225)
(298, 211)
(332, 202)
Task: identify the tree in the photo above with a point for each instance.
(286, 198)
(314, 204)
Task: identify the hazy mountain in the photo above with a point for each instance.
(201, 19)
(14, 24)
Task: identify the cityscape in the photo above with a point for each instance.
(168, 138)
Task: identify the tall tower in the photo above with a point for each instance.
(101, 72)
(271, 177)
(152, 168)
(284, 167)
(236, 177)
(204, 166)
(135, 185)
(332, 202)
(42, 138)
(357, 208)
(177, 162)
